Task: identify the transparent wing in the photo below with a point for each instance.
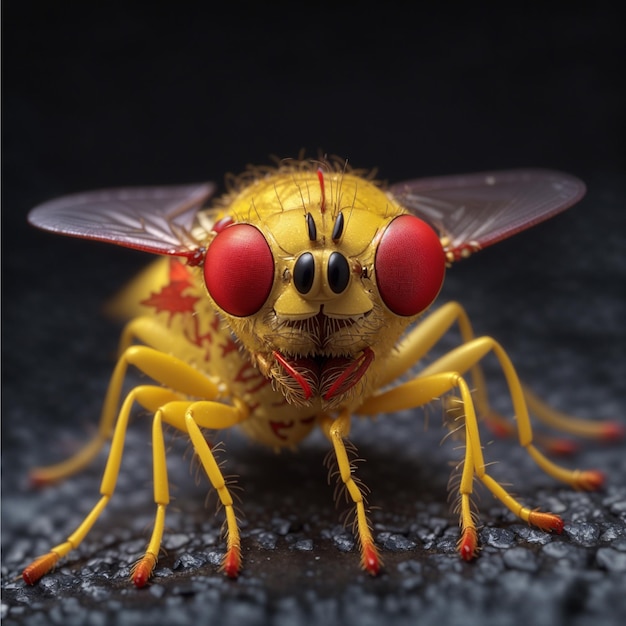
(154, 219)
(473, 211)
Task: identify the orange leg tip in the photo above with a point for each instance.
(612, 431)
(468, 544)
(546, 521)
(498, 428)
(38, 479)
(370, 559)
(39, 567)
(562, 447)
(590, 480)
(232, 562)
(143, 570)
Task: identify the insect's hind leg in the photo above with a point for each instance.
(591, 429)
(464, 357)
(150, 397)
(429, 331)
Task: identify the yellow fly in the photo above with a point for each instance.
(290, 304)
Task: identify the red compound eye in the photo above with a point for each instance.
(410, 265)
(239, 269)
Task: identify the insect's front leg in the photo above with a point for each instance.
(189, 417)
(337, 430)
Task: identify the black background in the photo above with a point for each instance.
(100, 95)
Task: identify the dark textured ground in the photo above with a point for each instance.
(134, 97)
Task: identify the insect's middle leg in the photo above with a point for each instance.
(337, 430)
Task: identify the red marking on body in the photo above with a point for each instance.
(278, 427)
(228, 346)
(370, 559)
(39, 567)
(308, 420)
(171, 299)
(468, 544)
(199, 339)
(248, 374)
(320, 177)
(179, 272)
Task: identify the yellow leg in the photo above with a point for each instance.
(465, 357)
(167, 406)
(426, 334)
(181, 414)
(163, 368)
(429, 332)
(422, 390)
(213, 415)
(604, 430)
(147, 330)
(149, 397)
(144, 567)
(337, 430)
(201, 411)
(418, 343)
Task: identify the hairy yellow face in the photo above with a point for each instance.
(315, 274)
